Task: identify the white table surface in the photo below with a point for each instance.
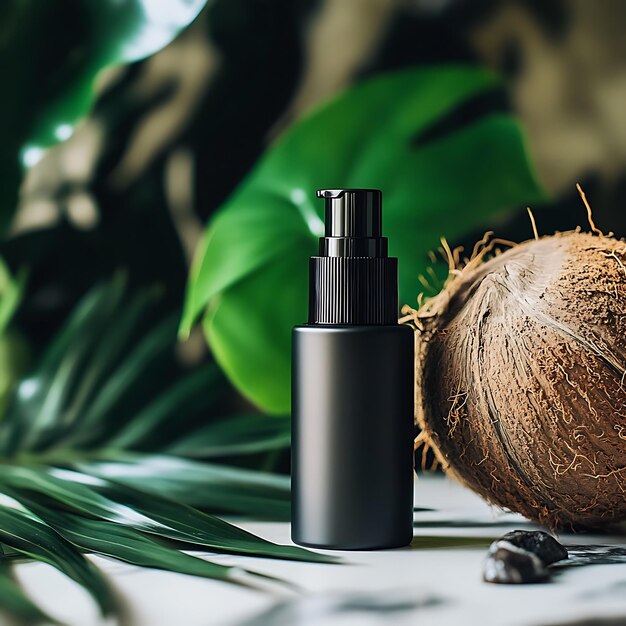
(413, 585)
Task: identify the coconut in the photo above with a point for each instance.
(521, 378)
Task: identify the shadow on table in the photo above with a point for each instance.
(593, 621)
(433, 542)
(461, 523)
(315, 609)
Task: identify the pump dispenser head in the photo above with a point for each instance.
(352, 212)
(353, 281)
(353, 223)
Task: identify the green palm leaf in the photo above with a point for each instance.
(245, 434)
(97, 445)
(177, 398)
(203, 485)
(151, 513)
(128, 545)
(31, 537)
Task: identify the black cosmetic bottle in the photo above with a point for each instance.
(352, 389)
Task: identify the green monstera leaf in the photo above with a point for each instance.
(250, 274)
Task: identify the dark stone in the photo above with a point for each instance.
(509, 565)
(543, 545)
(522, 557)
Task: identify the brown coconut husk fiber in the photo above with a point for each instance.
(521, 376)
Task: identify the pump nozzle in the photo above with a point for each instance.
(352, 212)
(353, 223)
(353, 280)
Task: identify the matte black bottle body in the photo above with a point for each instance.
(352, 436)
(352, 389)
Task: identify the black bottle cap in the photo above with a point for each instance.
(353, 281)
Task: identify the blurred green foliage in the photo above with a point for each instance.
(59, 47)
(52, 53)
(13, 346)
(250, 273)
(237, 98)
